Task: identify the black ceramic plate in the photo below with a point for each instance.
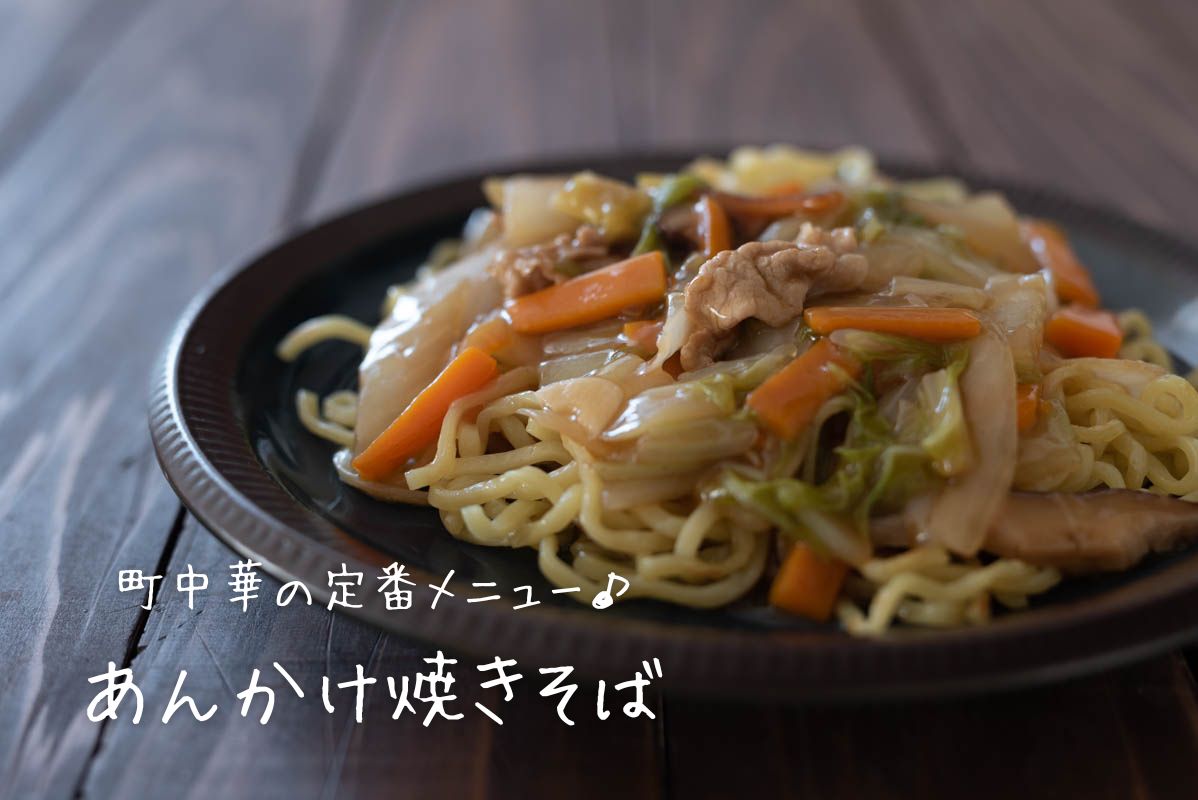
(229, 441)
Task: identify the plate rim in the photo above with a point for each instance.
(776, 664)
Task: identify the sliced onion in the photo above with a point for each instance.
(937, 293)
(600, 336)
(749, 372)
(938, 190)
(576, 366)
(837, 535)
(965, 509)
(621, 369)
(919, 253)
(642, 379)
(1020, 310)
(410, 347)
(482, 227)
(620, 495)
(785, 229)
(988, 224)
(528, 212)
(674, 332)
(665, 407)
(591, 402)
(698, 442)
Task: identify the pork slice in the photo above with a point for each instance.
(1101, 531)
(523, 270)
(770, 281)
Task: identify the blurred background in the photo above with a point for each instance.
(147, 145)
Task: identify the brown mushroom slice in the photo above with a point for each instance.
(1100, 531)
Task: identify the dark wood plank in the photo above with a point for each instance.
(210, 128)
(321, 753)
(386, 143)
(567, 79)
(1020, 94)
(1130, 733)
(173, 160)
(805, 73)
(1095, 98)
(47, 49)
(458, 86)
(304, 751)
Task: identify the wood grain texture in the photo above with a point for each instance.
(304, 751)
(382, 134)
(1094, 97)
(173, 160)
(455, 86)
(762, 72)
(143, 149)
(1124, 734)
(326, 754)
(575, 79)
(47, 49)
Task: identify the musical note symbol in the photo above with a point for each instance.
(604, 598)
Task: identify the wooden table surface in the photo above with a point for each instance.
(146, 145)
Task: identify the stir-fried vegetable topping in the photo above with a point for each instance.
(1078, 332)
(885, 458)
(714, 228)
(789, 400)
(779, 368)
(615, 208)
(807, 583)
(1073, 281)
(591, 297)
(417, 427)
(1027, 406)
(674, 190)
(929, 324)
(771, 206)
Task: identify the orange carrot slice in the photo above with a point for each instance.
(591, 297)
(1052, 251)
(790, 398)
(643, 333)
(789, 187)
(780, 205)
(1077, 332)
(807, 583)
(490, 336)
(714, 229)
(1027, 405)
(929, 324)
(420, 423)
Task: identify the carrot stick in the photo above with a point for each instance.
(1052, 251)
(643, 333)
(789, 187)
(420, 423)
(807, 583)
(790, 398)
(591, 297)
(490, 336)
(714, 229)
(779, 205)
(929, 324)
(1078, 332)
(1027, 405)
